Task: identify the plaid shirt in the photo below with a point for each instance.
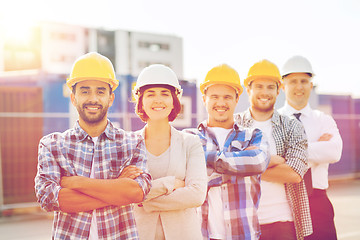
(240, 179)
(291, 144)
(71, 154)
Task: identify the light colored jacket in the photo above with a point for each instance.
(176, 209)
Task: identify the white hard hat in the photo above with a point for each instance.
(157, 74)
(297, 64)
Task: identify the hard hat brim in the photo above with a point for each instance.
(112, 82)
(203, 87)
(248, 80)
(284, 74)
(136, 90)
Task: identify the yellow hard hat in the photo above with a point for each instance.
(222, 74)
(263, 69)
(93, 66)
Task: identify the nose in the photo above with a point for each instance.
(158, 99)
(299, 86)
(93, 98)
(264, 92)
(221, 102)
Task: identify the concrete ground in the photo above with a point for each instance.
(344, 194)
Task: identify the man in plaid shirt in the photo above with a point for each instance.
(235, 158)
(87, 174)
(284, 211)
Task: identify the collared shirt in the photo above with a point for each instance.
(240, 171)
(291, 144)
(321, 153)
(70, 154)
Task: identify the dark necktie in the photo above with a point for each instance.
(297, 115)
(307, 176)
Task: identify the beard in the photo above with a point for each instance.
(267, 108)
(262, 107)
(92, 118)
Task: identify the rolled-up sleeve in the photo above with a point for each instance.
(140, 160)
(47, 180)
(296, 149)
(243, 162)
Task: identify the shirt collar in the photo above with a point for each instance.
(289, 110)
(276, 118)
(80, 133)
(203, 126)
(248, 119)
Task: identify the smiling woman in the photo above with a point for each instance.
(175, 159)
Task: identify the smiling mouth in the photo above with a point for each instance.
(264, 100)
(92, 108)
(158, 108)
(222, 110)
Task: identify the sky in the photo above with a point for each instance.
(236, 32)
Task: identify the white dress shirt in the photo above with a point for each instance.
(321, 153)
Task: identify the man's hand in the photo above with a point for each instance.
(325, 137)
(131, 172)
(276, 160)
(179, 184)
(251, 148)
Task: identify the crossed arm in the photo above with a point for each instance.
(77, 193)
(328, 148)
(252, 160)
(83, 194)
(290, 167)
(280, 172)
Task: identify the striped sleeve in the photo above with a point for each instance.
(241, 161)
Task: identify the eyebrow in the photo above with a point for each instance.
(261, 84)
(218, 95)
(152, 91)
(87, 88)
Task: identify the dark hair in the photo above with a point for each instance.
(236, 92)
(277, 85)
(139, 105)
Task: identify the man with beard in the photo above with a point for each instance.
(284, 208)
(90, 174)
(235, 158)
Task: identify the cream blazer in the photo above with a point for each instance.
(176, 209)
